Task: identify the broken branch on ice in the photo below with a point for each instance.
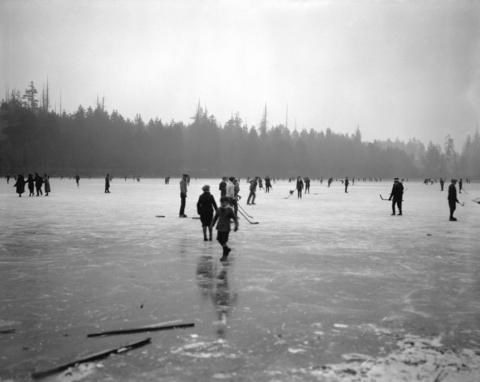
(150, 328)
(90, 358)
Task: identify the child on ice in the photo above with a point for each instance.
(224, 216)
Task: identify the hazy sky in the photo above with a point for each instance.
(397, 68)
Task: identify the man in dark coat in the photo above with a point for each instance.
(223, 187)
(183, 195)
(107, 183)
(20, 185)
(396, 196)
(206, 206)
(38, 184)
(299, 187)
(452, 199)
(31, 185)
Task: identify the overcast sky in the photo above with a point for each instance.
(396, 68)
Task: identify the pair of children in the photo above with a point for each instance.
(224, 215)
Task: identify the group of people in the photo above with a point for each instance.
(257, 181)
(302, 183)
(211, 215)
(35, 183)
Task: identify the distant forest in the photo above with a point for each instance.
(92, 142)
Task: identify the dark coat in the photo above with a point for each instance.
(206, 204)
(452, 194)
(397, 191)
(20, 185)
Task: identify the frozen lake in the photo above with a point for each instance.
(331, 279)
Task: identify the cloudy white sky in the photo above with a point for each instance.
(396, 68)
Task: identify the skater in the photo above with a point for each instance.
(20, 185)
(38, 184)
(346, 185)
(223, 217)
(253, 190)
(330, 180)
(183, 195)
(77, 180)
(442, 184)
(299, 187)
(31, 185)
(236, 195)
(260, 182)
(268, 184)
(46, 181)
(8, 178)
(107, 183)
(396, 196)
(460, 185)
(223, 187)
(452, 199)
(206, 206)
(307, 185)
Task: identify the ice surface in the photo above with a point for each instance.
(321, 282)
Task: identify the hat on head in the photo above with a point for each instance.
(206, 188)
(395, 178)
(454, 180)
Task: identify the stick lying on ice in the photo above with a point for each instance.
(149, 328)
(7, 331)
(90, 358)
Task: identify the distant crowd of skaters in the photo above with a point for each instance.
(36, 184)
(229, 188)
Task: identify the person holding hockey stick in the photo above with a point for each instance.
(452, 199)
(223, 217)
(396, 196)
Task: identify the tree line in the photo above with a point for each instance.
(92, 141)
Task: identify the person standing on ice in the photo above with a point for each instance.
(223, 187)
(232, 190)
(107, 183)
(183, 195)
(253, 190)
(346, 185)
(452, 199)
(206, 206)
(77, 180)
(38, 184)
(307, 185)
(223, 218)
(299, 187)
(396, 196)
(460, 185)
(20, 185)
(268, 184)
(46, 181)
(31, 185)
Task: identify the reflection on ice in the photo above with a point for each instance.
(214, 284)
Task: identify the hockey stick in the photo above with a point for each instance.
(381, 197)
(245, 212)
(247, 219)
